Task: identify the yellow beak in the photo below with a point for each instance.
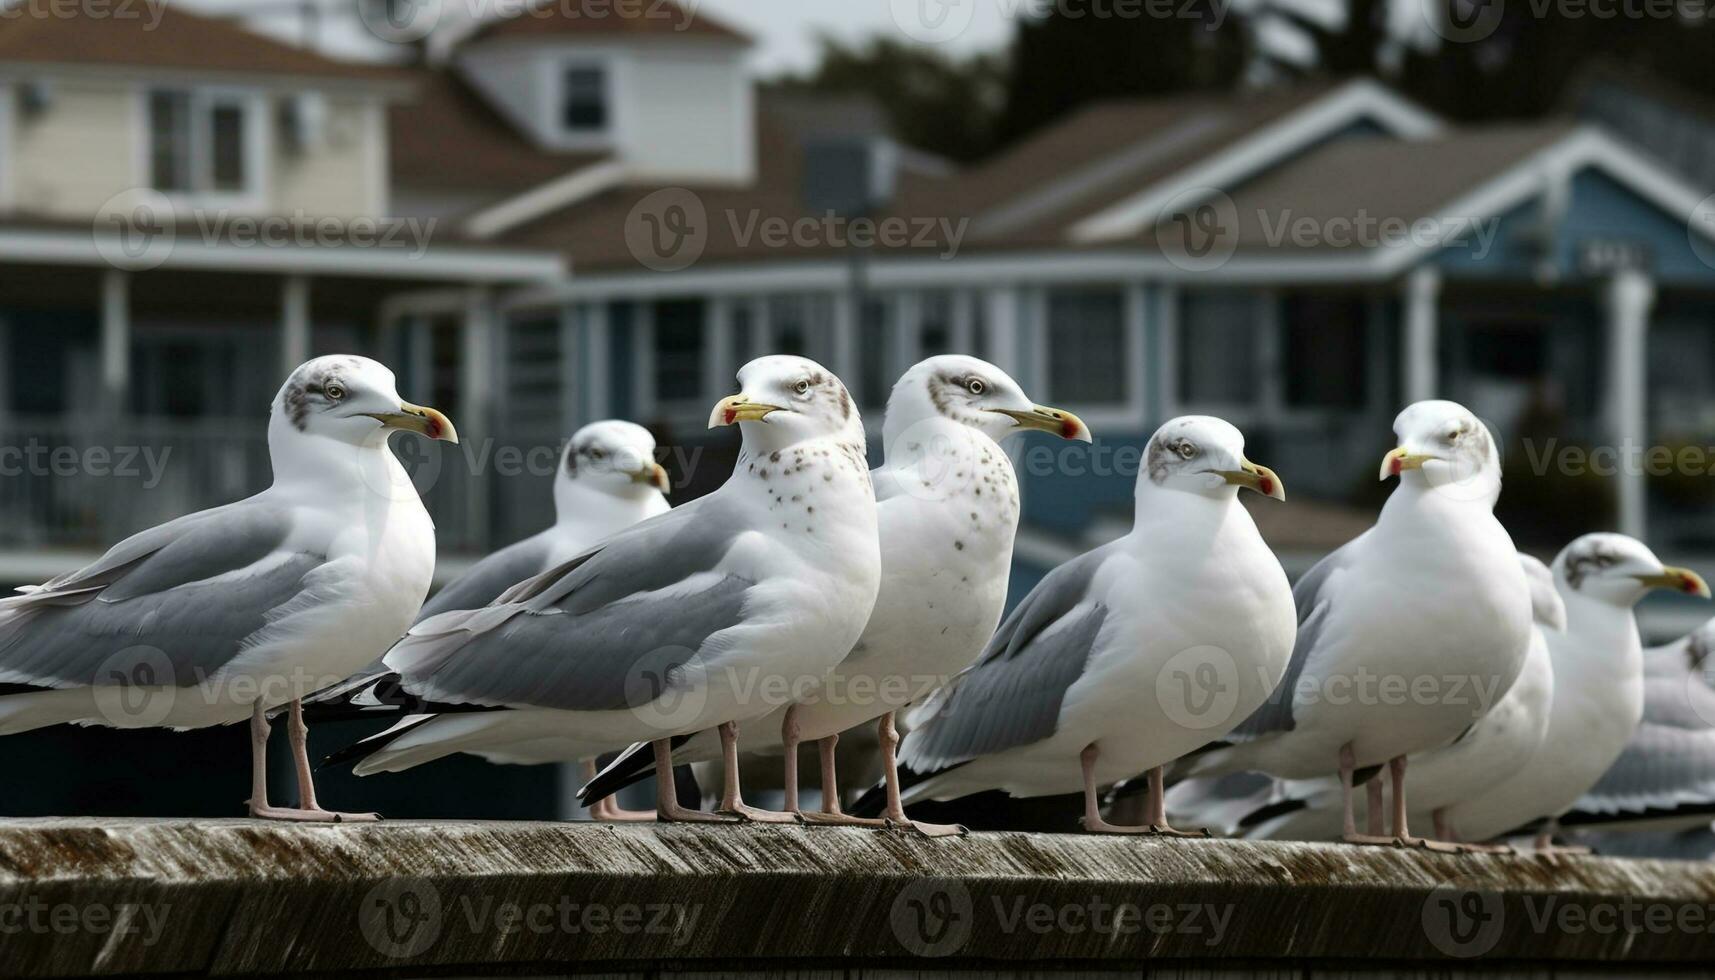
(423, 421)
(1056, 420)
(1258, 478)
(738, 408)
(656, 475)
(1679, 580)
(1400, 460)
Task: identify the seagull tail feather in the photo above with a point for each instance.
(634, 765)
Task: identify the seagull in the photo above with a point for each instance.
(706, 616)
(607, 479)
(1128, 656)
(1443, 781)
(947, 503)
(233, 612)
(1664, 780)
(1407, 634)
(1598, 685)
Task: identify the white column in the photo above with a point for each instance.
(1422, 296)
(848, 355)
(571, 371)
(476, 398)
(294, 323)
(116, 339)
(1628, 298)
(1003, 327)
(597, 361)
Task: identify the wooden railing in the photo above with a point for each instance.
(244, 898)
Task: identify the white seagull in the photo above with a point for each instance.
(606, 480)
(1444, 782)
(1127, 657)
(1598, 684)
(703, 617)
(230, 613)
(948, 509)
(1407, 635)
(1664, 781)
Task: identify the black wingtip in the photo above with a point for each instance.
(1263, 814)
(356, 752)
(871, 803)
(634, 765)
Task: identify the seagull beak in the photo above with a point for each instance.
(1679, 580)
(738, 408)
(654, 475)
(421, 420)
(1258, 478)
(1400, 460)
(1042, 418)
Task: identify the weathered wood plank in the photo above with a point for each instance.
(240, 897)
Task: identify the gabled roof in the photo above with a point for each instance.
(639, 18)
(159, 36)
(448, 138)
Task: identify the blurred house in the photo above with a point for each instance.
(622, 217)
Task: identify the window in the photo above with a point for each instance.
(678, 351)
(583, 99)
(1325, 350)
(1086, 346)
(198, 142)
(1218, 359)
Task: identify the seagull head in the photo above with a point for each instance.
(1204, 455)
(1619, 570)
(1546, 606)
(613, 457)
(1444, 446)
(974, 393)
(783, 400)
(351, 399)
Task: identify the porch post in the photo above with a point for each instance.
(294, 323)
(1003, 328)
(1628, 298)
(476, 384)
(1422, 295)
(116, 339)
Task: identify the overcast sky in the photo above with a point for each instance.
(785, 30)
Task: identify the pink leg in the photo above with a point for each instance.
(732, 800)
(791, 737)
(298, 735)
(667, 808)
(1157, 819)
(1093, 821)
(607, 810)
(894, 815)
(1401, 830)
(1348, 763)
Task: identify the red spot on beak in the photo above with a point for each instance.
(434, 427)
(1396, 467)
(1069, 429)
(1267, 487)
(731, 416)
(1688, 587)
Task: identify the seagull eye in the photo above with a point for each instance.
(1186, 450)
(597, 454)
(976, 386)
(802, 387)
(334, 391)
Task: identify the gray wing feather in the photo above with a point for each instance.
(1013, 694)
(174, 593)
(1314, 605)
(595, 632)
(486, 580)
(1662, 767)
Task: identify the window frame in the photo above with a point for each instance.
(202, 101)
(553, 82)
(1125, 413)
